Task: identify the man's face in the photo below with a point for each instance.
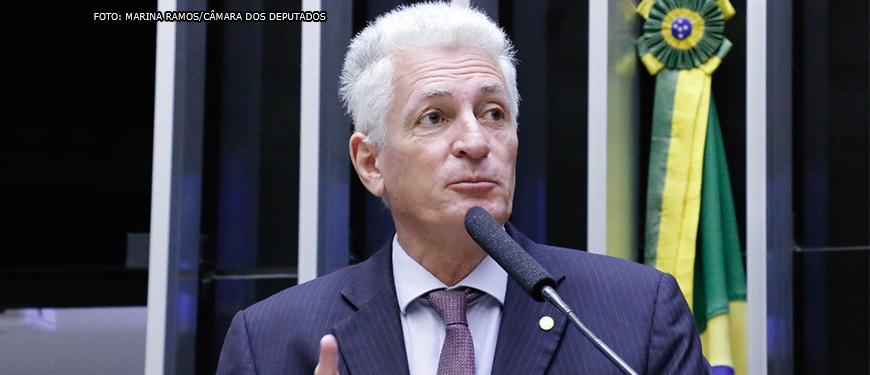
(450, 143)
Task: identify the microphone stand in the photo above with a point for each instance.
(551, 296)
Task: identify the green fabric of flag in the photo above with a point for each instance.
(719, 274)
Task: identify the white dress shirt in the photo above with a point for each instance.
(424, 330)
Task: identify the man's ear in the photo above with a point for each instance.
(364, 158)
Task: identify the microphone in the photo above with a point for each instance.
(527, 272)
(507, 253)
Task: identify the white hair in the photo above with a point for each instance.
(367, 82)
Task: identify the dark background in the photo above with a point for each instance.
(75, 155)
(831, 192)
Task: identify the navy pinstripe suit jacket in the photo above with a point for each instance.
(638, 311)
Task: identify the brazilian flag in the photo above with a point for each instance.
(691, 227)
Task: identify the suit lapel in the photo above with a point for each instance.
(523, 346)
(371, 341)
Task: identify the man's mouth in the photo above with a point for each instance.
(473, 183)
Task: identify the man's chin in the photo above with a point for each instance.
(497, 210)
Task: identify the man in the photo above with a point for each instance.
(432, 92)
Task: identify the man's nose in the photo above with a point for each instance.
(472, 140)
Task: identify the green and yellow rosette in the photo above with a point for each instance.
(683, 34)
(691, 227)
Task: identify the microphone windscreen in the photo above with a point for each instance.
(527, 272)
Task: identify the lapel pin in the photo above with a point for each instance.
(546, 323)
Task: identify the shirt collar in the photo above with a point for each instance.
(413, 281)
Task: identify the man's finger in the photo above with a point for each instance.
(328, 362)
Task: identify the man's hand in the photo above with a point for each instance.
(328, 362)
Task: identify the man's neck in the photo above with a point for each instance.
(448, 257)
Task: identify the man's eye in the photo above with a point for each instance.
(431, 118)
(494, 115)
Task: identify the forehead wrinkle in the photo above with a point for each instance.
(412, 67)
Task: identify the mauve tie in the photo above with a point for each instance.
(457, 354)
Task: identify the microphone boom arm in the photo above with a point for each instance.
(528, 273)
(551, 296)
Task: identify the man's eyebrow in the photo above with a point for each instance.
(493, 87)
(436, 92)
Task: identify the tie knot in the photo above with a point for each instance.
(452, 304)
